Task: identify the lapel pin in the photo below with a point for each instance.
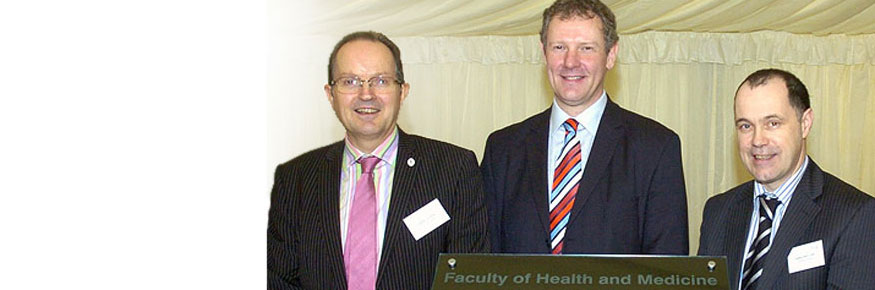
(410, 162)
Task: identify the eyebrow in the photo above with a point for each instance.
(362, 77)
(772, 116)
(574, 42)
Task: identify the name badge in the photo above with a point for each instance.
(804, 257)
(426, 219)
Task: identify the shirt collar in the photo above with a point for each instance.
(385, 151)
(785, 191)
(589, 118)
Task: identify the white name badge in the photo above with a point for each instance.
(426, 219)
(804, 257)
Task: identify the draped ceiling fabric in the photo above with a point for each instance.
(476, 66)
(523, 17)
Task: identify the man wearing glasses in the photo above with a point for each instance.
(374, 210)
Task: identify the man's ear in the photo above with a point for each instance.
(405, 89)
(807, 122)
(328, 93)
(612, 55)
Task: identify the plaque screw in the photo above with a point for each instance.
(452, 263)
(711, 266)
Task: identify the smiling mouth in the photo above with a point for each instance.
(572, 78)
(763, 157)
(367, 111)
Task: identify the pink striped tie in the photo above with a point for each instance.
(360, 256)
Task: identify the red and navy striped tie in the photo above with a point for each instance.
(566, 179)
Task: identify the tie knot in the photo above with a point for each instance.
(368, 163)
(570, 125)
(772, 203)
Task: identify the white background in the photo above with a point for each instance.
(133, 147)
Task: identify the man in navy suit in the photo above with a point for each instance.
(374, 210)
(794, 226)
(584, 176)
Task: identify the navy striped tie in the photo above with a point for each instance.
(753, 261)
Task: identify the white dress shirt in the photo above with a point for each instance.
(784, 194)
(589, 121)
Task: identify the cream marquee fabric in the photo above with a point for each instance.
(476, 66)
(523, 17)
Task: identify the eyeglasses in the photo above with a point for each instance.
(351, 85)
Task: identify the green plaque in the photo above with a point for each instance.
(507, 271)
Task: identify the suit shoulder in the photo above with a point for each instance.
(516, 131)
(844, 192)
(432, 145)
(310, 156)
(724, 198)
(646, 126)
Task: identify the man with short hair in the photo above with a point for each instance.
(584, 176)
(794, 226)
(336, 212)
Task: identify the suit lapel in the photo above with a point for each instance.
(328, 186)
(611, 129)
(797, 219)
(404, 188)
(535, 175)
(740, 210)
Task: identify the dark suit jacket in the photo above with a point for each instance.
(631, 198)
(303, 240)
(823, 208)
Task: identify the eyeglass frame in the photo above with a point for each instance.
(361, 83)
